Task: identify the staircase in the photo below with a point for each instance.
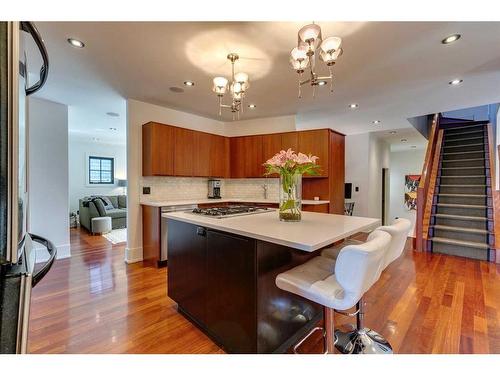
(462, 214)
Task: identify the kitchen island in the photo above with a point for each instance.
(221, 273)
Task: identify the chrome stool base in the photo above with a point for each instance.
(363, 341)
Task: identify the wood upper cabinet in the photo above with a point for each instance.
(316, 142)
(247, 157)
(253, 156)
(157, 150)
(237, 157)
(290, 140)
(202, 144)
(184, 152)
(271, 144)
(219, 156)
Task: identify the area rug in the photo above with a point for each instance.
(116, 236)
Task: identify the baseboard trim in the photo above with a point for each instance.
(63, 251)
(133, 255)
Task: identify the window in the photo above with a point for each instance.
(101, 170)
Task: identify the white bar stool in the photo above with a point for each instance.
(337, 284)
(334, 251)
(363, 340)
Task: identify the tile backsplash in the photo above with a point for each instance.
(251, 188)
(181, 188)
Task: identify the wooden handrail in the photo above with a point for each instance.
(495, 195)
(423, 187)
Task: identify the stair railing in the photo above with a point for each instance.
(494, 255)
(425, 190)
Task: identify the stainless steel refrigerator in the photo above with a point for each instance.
(17, 256)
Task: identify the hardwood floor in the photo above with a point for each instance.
(94, 302)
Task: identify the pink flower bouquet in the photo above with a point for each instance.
(288, 162)
(291, 167)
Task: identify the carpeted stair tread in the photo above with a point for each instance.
(462, 139)
(461, 185)
(466, 176)
(450, 241)
(463, 152)
(460, 217)
(462, 195)
(467, 125)
(467, 132)
(461, 160)
(460, 229)
(460, 205)
(467, 145)
(462, 167)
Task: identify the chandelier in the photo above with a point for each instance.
(303, 56)
(238, 87)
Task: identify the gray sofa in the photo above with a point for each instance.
(90, 208)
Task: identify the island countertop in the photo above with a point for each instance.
(164, 203)
(313, 232)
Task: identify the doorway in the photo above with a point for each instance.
(385, 195)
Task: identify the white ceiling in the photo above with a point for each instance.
(402, 139)
(394, 70)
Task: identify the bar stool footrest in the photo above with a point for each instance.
(363, 341)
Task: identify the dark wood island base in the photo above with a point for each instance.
(225, 284)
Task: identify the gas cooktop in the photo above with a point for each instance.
(230, 211)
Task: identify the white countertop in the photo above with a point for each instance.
(164, 203)
(314, 232)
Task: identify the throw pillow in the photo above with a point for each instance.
(122, 201)
(114, 200)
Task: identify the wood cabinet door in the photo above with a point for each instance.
(238, 146)
(187, 268)
(219, 156)
(321, 208)
(316, 142)
(157, 150)
(184, 152)
(253, 158)
(201, 153)
(271, 144)
(231, 307)
(290, 140)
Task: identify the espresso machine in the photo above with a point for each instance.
(214, 189)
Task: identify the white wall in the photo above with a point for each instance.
(260, 126)
(79, 151)
(401, 164)
(497, 163)
(48, 173)
(365, 156)
(378, 158)
(356, 170)
(139, 113)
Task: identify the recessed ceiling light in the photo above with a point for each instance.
(456, 82)
(451, 38)
(322, 83)
(404, 140)
(413, 146)
(188, 83)
(76, 43)
(112, 114)
(175, 89)
(252, 106)
(353, 105)
(376, 122)
(113, 129)
(95, 139)
(393, 132)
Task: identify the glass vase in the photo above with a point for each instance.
(290, 197)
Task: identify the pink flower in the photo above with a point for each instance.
(289, 159)
(303, 158)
